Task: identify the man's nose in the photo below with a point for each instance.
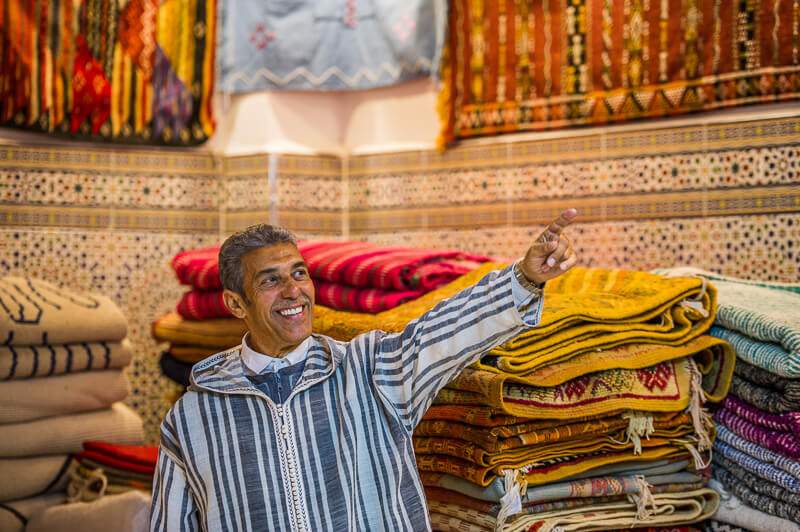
(291, 288)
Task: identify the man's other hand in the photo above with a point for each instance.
(551, 254)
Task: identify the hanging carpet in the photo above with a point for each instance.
(525, 66)
(139, 72)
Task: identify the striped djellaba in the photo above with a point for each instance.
(337, 455)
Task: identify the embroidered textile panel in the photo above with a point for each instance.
(328, 44)
(513, 66)
(138, 71)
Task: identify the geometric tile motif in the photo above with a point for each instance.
(752, 247)
(132, 268)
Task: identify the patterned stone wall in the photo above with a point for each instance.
(110, 221)
(723, 197)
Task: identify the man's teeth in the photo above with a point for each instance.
(291, 311)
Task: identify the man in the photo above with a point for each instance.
(297, 431)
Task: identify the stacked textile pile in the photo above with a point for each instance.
(357, 276)
(755, 461)
(592, 420)
(104, 468)
(61, 365)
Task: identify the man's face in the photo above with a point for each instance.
(281, 294)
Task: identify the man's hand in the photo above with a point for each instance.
(551, 254)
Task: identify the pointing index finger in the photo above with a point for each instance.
(552, 231)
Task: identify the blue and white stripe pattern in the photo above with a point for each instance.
(337, 455)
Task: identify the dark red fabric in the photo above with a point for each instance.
(135, 458)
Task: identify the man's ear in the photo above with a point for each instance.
(234, 302)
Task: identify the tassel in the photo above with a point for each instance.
(701, 420)
(639, 424)
(78, 485)
(642, 498)
(698, 459)
(511, 502)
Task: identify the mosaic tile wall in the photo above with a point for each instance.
(110, 221)
(725, 198)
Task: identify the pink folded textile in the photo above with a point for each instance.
(203, 305)
(357, 276)
(388, 267)
(198, 268)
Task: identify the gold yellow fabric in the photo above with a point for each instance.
(550, 470)
(663, 387)
(517, 453)
(219, 333)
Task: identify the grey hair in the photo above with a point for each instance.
(231, 271)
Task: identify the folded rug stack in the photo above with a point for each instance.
(757, 453)
(104, 468)
(61, 383)
(347, 275)
(592, 420)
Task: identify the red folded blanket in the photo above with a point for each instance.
(204, 305)
(358, 276)
(350, 263)
(134, 458)
(388, 267)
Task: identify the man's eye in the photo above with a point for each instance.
(269, 280)
(300, 274)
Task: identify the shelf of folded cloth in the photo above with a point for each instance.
(755, 459)
(621, 350)
(62, 381)
(348, 275)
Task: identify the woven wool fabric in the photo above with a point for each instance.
(577, 305)
(175, 369)
(145, 455)
(494, 492)
(202, 305)
(220, 333)
(661, 388)
(24, 362)
(327, 45)
(789, 422)
(610, 428)
(30, 399)
(761, 320)
(753, 498)
(15, 514)
(550, 470)
(792, 467)
(35, 312)
(763, 470)
(733, 510)
(126, 512)
(582, 491)
(119, 476)
(785, 443)
(510, 67)
(670, 509)
(65, 434)
(135, 72)
(198, 268)
(388, 267)
(765, 390)
(519, 456)
(762, 398)
(32, 476)
(704, 349)
(756, 482)
(190, 354)
(526, 433)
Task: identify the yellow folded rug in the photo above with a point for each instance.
(584, 310)
(220, 333)
(663, 387)
(628, 426)
(516, 453)
(554, 469)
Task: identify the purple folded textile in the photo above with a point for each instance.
(784, 443)
(789, 422)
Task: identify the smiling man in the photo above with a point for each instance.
(297, 431)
